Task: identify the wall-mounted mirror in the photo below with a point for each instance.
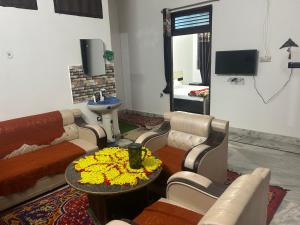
(92, 51)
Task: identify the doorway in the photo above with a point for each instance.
(190, 60)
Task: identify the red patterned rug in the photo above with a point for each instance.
(139, 119)
(69, 207)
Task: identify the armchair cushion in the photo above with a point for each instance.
(172, 159)
(191, 123)
(184, 141)
(161, 213)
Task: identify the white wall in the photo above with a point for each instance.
(243, 29)
(196, 72)
(183, 57)
(116, 47)
(44, 44)
(237, 24)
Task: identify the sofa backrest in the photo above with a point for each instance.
(70, 128)
(188, 129)
(22, 135)
(243, 203)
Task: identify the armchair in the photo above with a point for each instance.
(194, 199)
(193, 142)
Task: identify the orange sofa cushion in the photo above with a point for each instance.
(21, 172)
(32, 130)
(161, 213)
(171, 158)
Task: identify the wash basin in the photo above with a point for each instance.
(105, 106)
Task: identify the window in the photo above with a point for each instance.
(24, 4)
(192, 21)
(88, 8)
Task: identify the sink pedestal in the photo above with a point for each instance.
(111, 125)
(108, 110)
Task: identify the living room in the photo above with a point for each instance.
(41, 67)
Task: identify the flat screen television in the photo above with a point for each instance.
(242, 62)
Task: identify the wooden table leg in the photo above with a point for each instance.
(98, 209)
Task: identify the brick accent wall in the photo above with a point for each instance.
(84, 86)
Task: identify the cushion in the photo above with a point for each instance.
(67, 116)
(171, 158)
(191, 123)
(23, 171)
(183, 140)
(32, 130)
(161, 213)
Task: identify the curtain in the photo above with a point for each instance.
(204, 57)
(88, 8)
(167, 49)
(24, 4)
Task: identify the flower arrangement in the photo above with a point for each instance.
(111, 166)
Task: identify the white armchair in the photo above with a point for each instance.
(193, 142)
(194, 199)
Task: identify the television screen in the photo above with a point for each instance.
(242, 62)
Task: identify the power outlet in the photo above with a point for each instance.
(236, 80)
(265, 59)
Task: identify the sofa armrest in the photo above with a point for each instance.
(155, 141)
(146, 137)
(163, 129)
(121, 222)
(212, 152)
(87, 135)
(193, 191)
(245, 201)
(100, 133)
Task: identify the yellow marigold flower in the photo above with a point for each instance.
(113, 163)
(112, 174)
(91, 178)
(98, 168)
(151, 164)
(124, 179)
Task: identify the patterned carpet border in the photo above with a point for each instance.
(139, 119)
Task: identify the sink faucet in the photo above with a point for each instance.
(102, 90)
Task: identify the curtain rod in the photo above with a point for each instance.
(192, 5)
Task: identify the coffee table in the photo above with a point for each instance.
(105, 199)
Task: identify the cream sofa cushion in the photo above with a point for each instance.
(67, 116)
(184, 141)
(191, 123)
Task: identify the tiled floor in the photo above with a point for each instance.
(245, 155)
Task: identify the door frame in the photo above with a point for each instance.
(207, 28)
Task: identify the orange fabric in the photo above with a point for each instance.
(21, 172)
(171, 158)
(32, 130)
(161, 213)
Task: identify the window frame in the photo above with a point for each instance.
(192, 30)
(28, 4)
(69, 12)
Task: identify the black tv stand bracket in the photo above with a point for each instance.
(293, 65)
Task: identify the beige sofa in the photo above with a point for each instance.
(191, 142)
(87, 138)
(244, 202)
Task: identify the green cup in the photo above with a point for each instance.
(135, 155)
